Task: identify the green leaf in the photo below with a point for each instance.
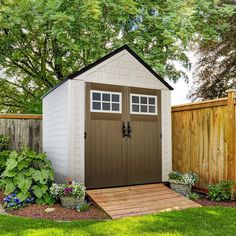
(11, 163)
(37, 191)
(23, 196)
(22, 164)
(10, 187)
(24, 185)
(41, 201)
(9, 173)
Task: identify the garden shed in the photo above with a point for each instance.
(109, 124)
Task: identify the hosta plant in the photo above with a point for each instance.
(28, 173)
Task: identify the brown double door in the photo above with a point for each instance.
(123, 136)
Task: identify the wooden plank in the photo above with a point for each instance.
(138, 200)
(21, 116)
(154, 211)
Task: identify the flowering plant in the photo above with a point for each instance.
(72, 188)
(12, 202)
(183, 178)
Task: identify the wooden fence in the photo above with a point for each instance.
(203, 137)
(22, 130)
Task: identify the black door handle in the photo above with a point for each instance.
(123, 129)
(129, 130)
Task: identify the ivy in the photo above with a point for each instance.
(28, 173)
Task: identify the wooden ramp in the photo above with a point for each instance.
(139, 200)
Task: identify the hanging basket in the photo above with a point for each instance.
(70, 201)
(180, 188)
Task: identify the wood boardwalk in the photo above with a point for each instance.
(139, 200)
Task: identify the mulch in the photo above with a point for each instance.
(60, 213)
(207, 202)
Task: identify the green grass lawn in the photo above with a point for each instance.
(201, 221)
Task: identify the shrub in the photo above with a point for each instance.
(221, 191)
(4, 142)
(193, 196)
(27, 174)
(3, 160)
(183, 178)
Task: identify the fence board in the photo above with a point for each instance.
(202, 138)
(22, 130)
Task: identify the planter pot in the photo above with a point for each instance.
(180, 188)
(71, 201)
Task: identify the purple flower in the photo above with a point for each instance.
(16, 200)
(67, 190)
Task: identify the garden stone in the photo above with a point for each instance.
(48, 210)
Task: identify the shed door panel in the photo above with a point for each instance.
(144, 159)
(104, 144)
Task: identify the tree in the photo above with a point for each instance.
(216, 70)
(43, 41)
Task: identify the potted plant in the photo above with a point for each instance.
(71, 194)
(182, 182)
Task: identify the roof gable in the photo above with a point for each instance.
(109, 60)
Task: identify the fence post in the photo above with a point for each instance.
(231, 136)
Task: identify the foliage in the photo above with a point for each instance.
(193, 196)
(43, 41)
(4, 142)
(83, 206)
(216, 49)
(184, 178)
(2, 184)
(12, 202)
(221, 191)
(71, 188)
(26, 173)
(4, 155)
(205, 221)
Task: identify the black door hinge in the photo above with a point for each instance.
(85, 135)
(161, 135)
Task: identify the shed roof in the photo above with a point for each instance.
(124, 47)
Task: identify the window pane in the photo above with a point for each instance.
(96, 106)
(152, 101)
(106, 106)
(152, 109)
(143, 108)
(135, 108)
(97, 96)
(115, 97)
(106, 97)
(143, 100)
(135, 99)
(115, 107)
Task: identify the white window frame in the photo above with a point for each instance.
(139, 104)
(101, 101)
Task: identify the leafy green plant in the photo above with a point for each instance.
(4, 142)
(29, 173)
(183, 178)
(193, 196)
(221, 191)
(83, 206)
(4, 155)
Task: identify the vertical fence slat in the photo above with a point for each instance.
(23, 130)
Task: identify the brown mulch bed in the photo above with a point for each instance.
(206, 202)
(60, 213)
